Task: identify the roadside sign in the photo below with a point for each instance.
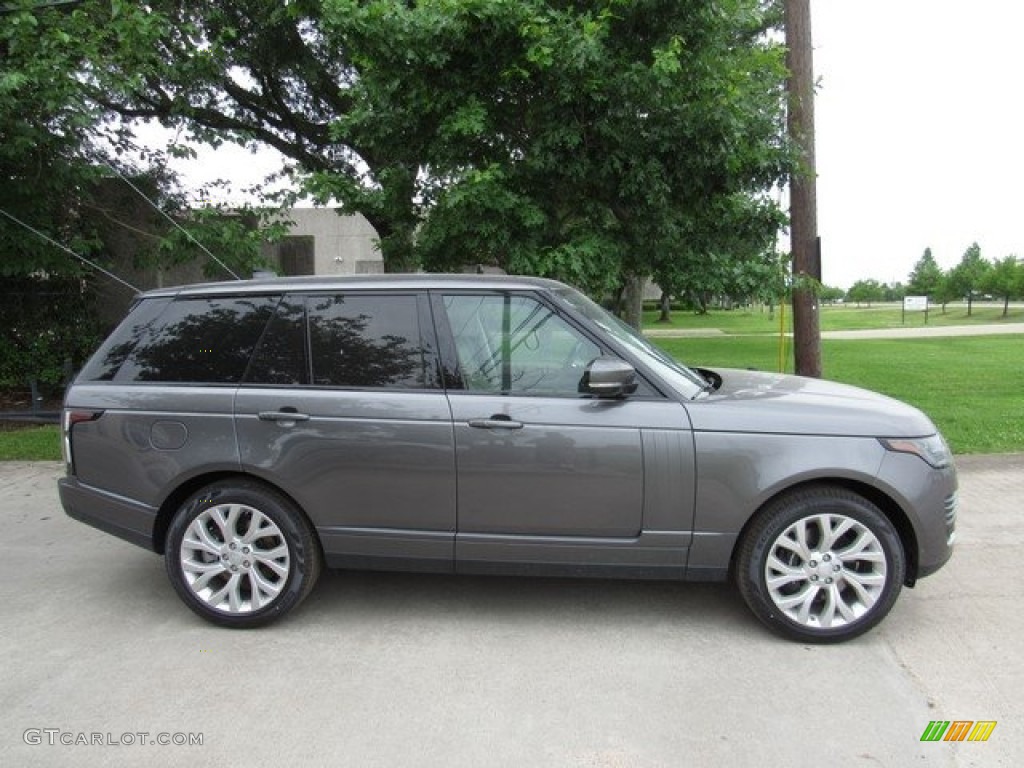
(915, 304)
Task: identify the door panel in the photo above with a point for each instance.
(361, 459)
(360, 435)
(565, 471)
(534, 457)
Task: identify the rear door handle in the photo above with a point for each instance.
(495, 422)
(283, 416)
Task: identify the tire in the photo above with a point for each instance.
(225, 572)
(821, 565)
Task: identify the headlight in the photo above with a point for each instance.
(930, 449)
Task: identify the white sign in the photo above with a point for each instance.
(915, 303)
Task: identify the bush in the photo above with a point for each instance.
(51, 328)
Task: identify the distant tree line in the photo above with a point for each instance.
(972, 278)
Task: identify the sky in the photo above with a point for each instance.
(919, 135)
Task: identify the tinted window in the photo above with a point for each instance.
(367, 341)
(109, 358)
(517, 345)
(200, 341)
(281, 355)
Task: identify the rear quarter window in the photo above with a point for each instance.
(200, 340)
(108, 359)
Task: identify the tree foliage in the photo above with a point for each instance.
(924, 278)
(587, 140)
(866, 292)
(966, 278)
(1005, 280)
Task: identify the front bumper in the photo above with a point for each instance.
(928, 497)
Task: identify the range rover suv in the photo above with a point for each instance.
(254, 432)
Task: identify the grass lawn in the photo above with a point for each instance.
(30, 443)
(838, 318)
(972, 386)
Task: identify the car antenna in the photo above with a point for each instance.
(64, 248)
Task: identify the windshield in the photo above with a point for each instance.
(686, 381)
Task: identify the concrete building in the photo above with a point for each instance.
(322, 241)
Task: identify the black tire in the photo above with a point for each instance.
(241, 555)
(824, 592)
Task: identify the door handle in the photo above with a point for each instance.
(498, 421)
(283, 416)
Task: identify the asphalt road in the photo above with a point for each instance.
(412, 670)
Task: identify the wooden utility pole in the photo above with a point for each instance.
(803, 202)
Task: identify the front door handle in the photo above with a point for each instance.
(283, 416)
(498, 421)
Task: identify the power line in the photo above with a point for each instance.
(64, 248)
(184, 231)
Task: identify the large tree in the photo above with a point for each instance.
(925, 277)
(1005, 280)
(966, 278)
(591, 140)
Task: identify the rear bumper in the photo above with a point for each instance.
(116, 515)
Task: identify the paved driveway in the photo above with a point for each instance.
(411, 670)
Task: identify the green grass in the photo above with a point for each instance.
(972, 386)
(836, 318)
(30, 444)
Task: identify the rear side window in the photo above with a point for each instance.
(203, 340)
(108, 359)
(281, 356)
(369, 341)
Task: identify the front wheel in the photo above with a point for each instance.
(822, 565)
(241, 555)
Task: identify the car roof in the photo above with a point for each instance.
(418, 281)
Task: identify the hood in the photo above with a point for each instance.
(755, 401)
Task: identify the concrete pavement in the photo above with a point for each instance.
(907, 332)
(414, 670)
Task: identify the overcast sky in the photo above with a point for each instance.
(919, 133)
(920, 124)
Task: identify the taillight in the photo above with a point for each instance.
(71, 417)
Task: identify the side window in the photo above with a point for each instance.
(369, 341)
(108, 359)
(516, 345)
(281, 357)
(203, 341)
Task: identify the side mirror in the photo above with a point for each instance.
(608, 377)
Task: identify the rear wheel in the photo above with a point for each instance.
(822, 564)
(241, 555)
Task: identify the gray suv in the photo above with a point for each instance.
(253, 432)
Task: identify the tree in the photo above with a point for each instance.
(866, 291)
(924, 278)
(584, 140)
(48, 139)
(946, 291)
(831, 294)
(894, 291)
(1005, 280)
(967, 276)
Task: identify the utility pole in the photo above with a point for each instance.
(803, 202)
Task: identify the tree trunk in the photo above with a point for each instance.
(666, 308)
(1006, 304)
(633, 301)
(802, 190)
